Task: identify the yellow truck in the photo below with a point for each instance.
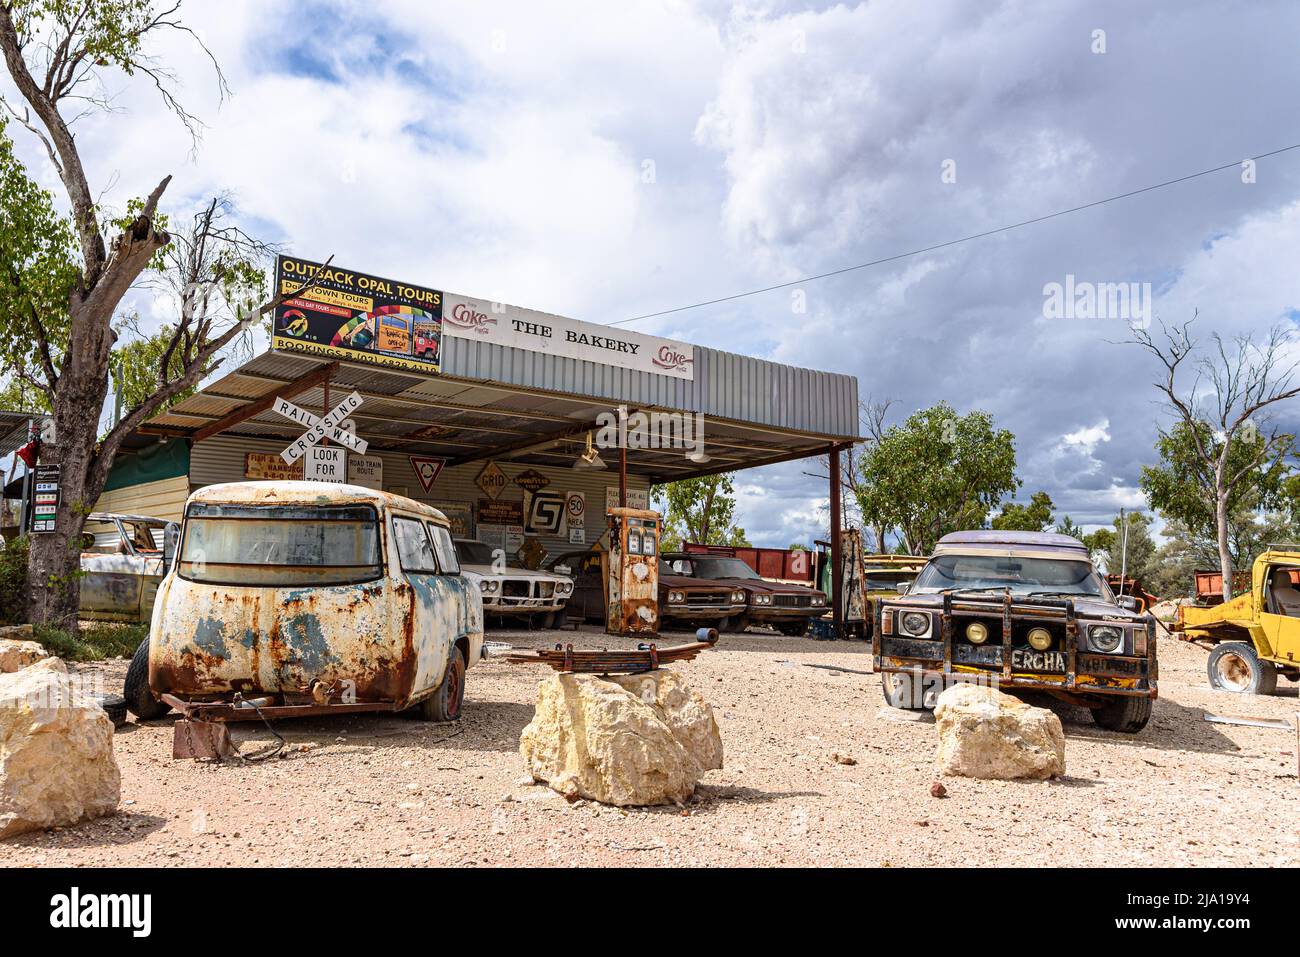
(1255, 636)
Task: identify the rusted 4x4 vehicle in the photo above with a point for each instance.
(296, 598)
(1024, 611)
(786, 607)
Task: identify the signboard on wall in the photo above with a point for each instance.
(545, 513)
(460, 515)
(366, 471)
(500, 513)
(340, 313)
(575, 517)
(269, 467)
(427, 469)
(533, 331)
(508, 537)
(491, 480)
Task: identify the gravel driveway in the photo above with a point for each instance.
(818, 771)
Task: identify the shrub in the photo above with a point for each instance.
(13, 582)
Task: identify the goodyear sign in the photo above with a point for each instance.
(340, 313)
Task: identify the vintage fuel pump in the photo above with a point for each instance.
(632, 580)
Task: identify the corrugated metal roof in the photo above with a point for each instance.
(13, 429)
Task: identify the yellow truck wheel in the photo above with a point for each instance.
(1234, 666)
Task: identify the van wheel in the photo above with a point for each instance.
(905, 692)
(139, 699)
(1234, 666)
(444, 704)
(1128, 715)
(556, 619)
(738, 624)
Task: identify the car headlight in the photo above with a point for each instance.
(676, 597)
(915, 623)
(819, 599)
(489, 586)
(1040, 639)
(737, 596)
(977, 632)
(765, 599)
(1105, 638)
(563, 588)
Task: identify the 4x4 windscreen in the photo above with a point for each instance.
(1049, 576)
(262, 545)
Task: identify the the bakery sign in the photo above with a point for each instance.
(527, 329)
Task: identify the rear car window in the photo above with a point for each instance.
(413, 547)
(274, 545)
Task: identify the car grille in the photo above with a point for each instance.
(792, 601)
(514, 588)
(545, 589)
(706, 598)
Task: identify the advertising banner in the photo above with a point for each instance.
(460, 515)
(556, 335)
(345, 314)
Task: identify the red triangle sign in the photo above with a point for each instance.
(427, 469)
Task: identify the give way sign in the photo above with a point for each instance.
(331, 426)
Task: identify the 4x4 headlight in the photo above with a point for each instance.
(1105, 638)
(915, 623)
(737, 596)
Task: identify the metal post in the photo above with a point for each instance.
(622, 476)
(27, 485)
(837, 559)
(326, 411)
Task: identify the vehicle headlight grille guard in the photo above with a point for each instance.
(1066, 610)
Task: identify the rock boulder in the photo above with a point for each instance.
(56, 751)
(18, 650)
(621, 739)
(984, 733)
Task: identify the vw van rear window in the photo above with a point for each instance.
(261, 545)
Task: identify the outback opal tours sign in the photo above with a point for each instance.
(340, 313)
(344, 314)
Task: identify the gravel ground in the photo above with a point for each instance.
(391, 791)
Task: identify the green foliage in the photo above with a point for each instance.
(1034, 517)
(13, 582)
(135, 368)
(699, 510)
(1181, 488)
(109, 31)
(38, 266)
(938, 472)
(93, 641)
(1066, 526)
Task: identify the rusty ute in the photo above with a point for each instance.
(123, 561)
(1023, 611)
(295, 598)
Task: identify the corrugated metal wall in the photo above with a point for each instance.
(162, 499)
(221, 459)
(726, 385)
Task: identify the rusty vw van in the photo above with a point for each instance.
(294, 598)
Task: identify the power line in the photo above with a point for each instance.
(964, 239)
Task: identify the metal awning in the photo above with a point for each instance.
(465, 419)
(13, 429)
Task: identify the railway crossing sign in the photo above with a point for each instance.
(319, 465)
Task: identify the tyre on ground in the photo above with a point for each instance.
(140, 701)
(1124, 713)
(1235, 666)
(444, 704)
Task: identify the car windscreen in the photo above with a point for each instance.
(720, 568)
(474, 553)
(273, 546)
(1052, 576)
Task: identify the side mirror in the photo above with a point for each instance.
(562, 569)
(1129, 602)
(171, 538)
(903, 588)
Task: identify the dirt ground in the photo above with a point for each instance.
(392, 791)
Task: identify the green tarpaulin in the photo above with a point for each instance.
(162, 460)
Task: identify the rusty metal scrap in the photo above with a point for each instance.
(645, 657)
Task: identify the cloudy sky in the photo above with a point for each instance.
(602, 161)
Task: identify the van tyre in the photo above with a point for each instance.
(140, 701)
(114, 706)
(1234, 666)
(444, 704)
(1125, 714)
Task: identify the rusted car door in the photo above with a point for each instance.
(438, 610)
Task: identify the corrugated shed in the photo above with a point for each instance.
(726, 385)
